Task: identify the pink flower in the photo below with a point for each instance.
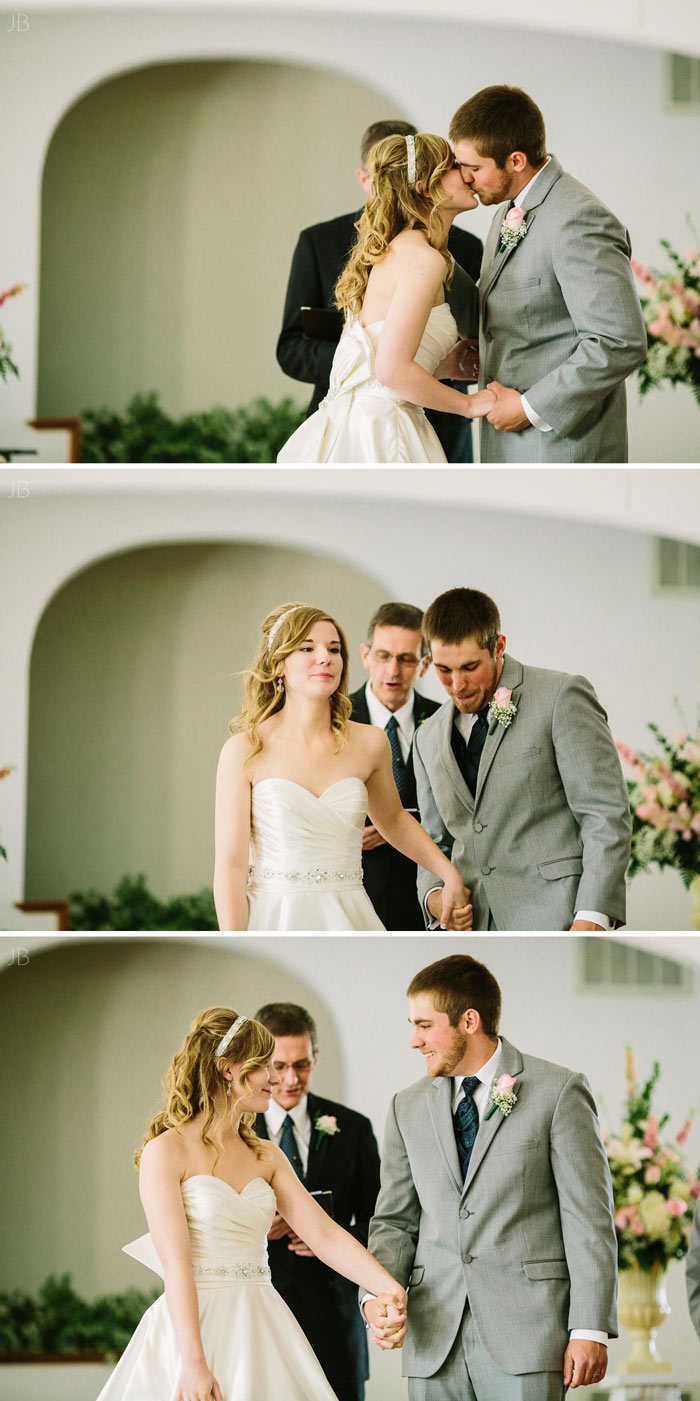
(636, 1226)
(651, 1132)
(652, 1174)
(505, 1082)
(621, 1219)
(675, 1207)
(514, 218)
(503, 695)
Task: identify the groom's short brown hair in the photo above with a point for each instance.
(500, 120)
(462, 613)
(457, 983)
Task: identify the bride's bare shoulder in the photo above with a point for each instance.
(411, 246)
(236, 750)
(366, 739)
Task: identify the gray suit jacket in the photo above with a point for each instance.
(528, 1238)
(562, 323)
(692, 1272)
(549, 829)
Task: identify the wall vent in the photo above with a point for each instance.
(677, 566)
(609, 966)
(683, 82)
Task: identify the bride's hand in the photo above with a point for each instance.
(456, 912)
(198, 1384)
(479, 404)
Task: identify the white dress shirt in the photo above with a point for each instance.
(464, 725)
(275, 1117)
(481, 1097)
(380, 716)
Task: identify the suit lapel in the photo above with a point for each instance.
(317, 1155)
(511, 1063)
(440, 1107)
(533, 200)
(511, 678)
(447, 758)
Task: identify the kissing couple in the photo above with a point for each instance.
(558, 317)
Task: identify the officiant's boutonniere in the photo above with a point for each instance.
(326, 1125)
(513, 228)
(503, 1096)
(501, 710)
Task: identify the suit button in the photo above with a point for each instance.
(485, 870)
(478, 827)
(468, 1259)
(489, 336)
(465, 1211)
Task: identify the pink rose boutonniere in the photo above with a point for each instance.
(503, 1096)
(502, 711)
(326, 1125)
(513, 228)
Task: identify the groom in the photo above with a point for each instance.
(495, 1209)
(561, 322)
(518, 782)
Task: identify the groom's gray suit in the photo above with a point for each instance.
(525, 1245)
(548, 831)
(561, 322)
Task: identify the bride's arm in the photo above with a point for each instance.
(160, 1177)
(232, 833)
(421, 270)
(335, 1246)
(407, 835)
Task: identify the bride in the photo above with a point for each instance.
(399, 327)
(210, 1189)
(296, 784)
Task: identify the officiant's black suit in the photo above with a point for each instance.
(388, 876)
(325, 1304)
(319, 258)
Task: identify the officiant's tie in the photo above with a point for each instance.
(288, 1144)
(466, 1121)
(468, 755)
(391, 730)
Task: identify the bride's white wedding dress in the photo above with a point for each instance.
(252, 1341)
(306, 868)
(360, 420)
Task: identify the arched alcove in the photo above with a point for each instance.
(135, 674)
(173, 195)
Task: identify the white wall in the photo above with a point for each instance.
(604, 102)
(575, 594)
(115, 1010)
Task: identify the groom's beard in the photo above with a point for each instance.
(499, 192)
(444, 1063)
(471, 703)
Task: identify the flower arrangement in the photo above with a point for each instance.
(7, 364)
(671, 305)
(665, 802)
(654, 1194)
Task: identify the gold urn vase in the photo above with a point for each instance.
(642, 1306)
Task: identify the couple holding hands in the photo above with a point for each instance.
(557, 314)
(492, 1249)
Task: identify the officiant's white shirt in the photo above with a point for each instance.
(380, 716)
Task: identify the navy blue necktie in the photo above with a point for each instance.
(468, 755)
(391, 729)
(466, 1122)
(288, 1144)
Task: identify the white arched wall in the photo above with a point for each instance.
(426, 65)
(575, 543)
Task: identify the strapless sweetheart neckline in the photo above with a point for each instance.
(209, 1177)
(351, 778)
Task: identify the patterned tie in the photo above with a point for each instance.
(391, 729)
(466, 1122)
(288, 1144)
(469, 755)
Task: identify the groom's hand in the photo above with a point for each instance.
(387, 1320)
(507, 414)
(584, 1362)
(584, 924)
(458, 917)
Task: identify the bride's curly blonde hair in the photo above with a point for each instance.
(395, 204)
(193, 1084)
(283, 631)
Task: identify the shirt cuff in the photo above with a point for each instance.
(432, 923)
(594, 917)
(534, 418)
(589, 1336)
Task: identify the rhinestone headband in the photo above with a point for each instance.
(275, 626)
(411, 153)
(228, 1038)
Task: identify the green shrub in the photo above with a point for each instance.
(57, 1320)
(132, 906)
(145, 433)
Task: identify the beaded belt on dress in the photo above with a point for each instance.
(213, 1272)
(316, 875)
